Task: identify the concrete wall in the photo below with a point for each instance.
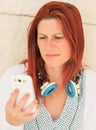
(15, 16)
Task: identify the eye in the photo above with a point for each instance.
(42, 37)
(58, 37)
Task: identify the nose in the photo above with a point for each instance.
(50, 43)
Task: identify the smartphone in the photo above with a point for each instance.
(25, 85)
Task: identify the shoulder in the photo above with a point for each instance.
(90, 99)
(5, 79)
(90, 84)
(90, 73)
(90, 79)
(19, 68)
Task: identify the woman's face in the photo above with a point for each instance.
(54, 48)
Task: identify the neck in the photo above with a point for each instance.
(55, 75)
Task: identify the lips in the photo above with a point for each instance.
(52, 55)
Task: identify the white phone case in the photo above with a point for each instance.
(25, 85)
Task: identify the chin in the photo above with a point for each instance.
(53, 65)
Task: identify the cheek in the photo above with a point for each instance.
(66, 51)
(41, 49)
(39, 46)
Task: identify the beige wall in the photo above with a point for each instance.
(15, 16)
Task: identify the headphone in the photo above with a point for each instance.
(72, 88)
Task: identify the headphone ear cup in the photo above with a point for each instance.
(72, 89)
(48, 88)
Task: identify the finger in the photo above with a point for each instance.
(36, 112)
(13, 97)
(22, 101)
(31, 107)
(33, 115)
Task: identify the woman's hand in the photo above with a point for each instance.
(15, 114)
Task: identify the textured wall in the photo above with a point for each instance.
(15, 16)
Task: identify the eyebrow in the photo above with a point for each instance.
(51, 34)
(41, 34)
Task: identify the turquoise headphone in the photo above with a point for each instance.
(48, 88)
(72, 88)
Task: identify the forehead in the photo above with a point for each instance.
(50, 25)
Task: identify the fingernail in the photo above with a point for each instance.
(35, 101)
(27, 94)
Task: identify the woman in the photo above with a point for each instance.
(61, 83)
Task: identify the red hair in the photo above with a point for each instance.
(70, 20)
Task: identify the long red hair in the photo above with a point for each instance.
(70, 19)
